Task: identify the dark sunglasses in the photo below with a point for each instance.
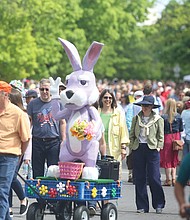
(42, 89)
(107, 97)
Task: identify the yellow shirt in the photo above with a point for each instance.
(14, 129)
(117, 133)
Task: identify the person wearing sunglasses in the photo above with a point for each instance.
(146, 140)
(46, 131)
(116, 133)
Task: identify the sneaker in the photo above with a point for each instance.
(24, 208)
(11, 214)
(159, 210)
(140, 211)
(92, 211)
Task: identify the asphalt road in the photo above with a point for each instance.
(126, 205)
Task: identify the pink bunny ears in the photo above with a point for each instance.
(89, 59)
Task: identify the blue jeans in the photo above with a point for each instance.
(44, 151)
(8, 165)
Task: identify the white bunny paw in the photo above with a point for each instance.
(54, 87)
(90, 173)
(53, 171)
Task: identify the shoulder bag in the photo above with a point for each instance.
(176, 144)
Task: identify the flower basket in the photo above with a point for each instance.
(70, 170)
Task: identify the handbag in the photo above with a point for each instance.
(176, 144)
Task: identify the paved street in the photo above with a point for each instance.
(126, 205)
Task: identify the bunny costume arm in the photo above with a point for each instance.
(59, 114)
(54, 90)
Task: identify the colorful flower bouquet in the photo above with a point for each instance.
(83, 130)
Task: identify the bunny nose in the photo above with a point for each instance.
(69, 94)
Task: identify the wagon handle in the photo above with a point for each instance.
(47, 203)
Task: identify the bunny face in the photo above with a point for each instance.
(81, 87)
(81, 90)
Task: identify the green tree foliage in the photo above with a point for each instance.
(30, 29)
(173, 38)
(52, 19)
(17, 45)
(113, 22)
(29, 36)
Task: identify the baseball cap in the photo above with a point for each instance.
(31, 93)
(17, 84)
(138, 93)
(5, 87)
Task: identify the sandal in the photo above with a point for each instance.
(173, 182)
(167, 183)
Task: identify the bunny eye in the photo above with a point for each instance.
(83, 82)
(67, 79)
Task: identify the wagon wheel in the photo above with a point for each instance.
(109, 212)
(64, 210)
(81, 213)
(35, 212)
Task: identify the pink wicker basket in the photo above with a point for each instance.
(70, 170)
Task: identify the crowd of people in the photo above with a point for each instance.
(140, 119)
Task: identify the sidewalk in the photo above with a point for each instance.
(126, 205)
